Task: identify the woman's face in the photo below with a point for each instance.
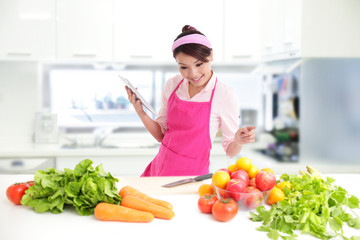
(197, 72)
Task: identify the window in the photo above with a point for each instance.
(94, 98)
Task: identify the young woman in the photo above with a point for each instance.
(195, 105)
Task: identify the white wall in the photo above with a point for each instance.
(19, 100)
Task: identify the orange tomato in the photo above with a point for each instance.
(232, 168)
(206, 189)
(268, 170)
(220, 179)
(244, 163)
(275, 196)
(253, 171)
(283, 184)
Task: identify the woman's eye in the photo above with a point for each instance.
(199, 64)
(183, 67)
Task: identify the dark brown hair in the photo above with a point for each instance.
(195, 50)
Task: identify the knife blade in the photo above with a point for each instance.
(188, 180)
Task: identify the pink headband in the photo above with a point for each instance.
(191, 38)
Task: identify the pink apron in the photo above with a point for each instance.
(185, 148)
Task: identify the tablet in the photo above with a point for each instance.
(138, 95)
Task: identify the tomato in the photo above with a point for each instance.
(206, 202)
(224, 210)
(243, 163)
(232, 168)
(220, 178)
(275, 196)
(253, 171)
(283, 184)
(16, 191)
(206, 189)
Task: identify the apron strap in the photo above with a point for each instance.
(212, 94)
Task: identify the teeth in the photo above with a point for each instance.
(197, 79)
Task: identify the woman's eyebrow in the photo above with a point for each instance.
(185, 64)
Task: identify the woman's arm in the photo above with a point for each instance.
(152, 126)
(242, 136)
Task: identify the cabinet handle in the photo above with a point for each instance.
(24, 54)
(288, 43)
(84, 54)
(141, 56)
(241, 56)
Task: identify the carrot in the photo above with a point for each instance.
(127, 190)
(112, 212)
(143, 205)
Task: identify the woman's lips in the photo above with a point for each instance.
(197, 80)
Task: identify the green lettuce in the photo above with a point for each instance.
(84, 187)
(314, 205)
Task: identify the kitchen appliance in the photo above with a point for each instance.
(248, 117)
(189, 180)
(26, 165)
(46, 129)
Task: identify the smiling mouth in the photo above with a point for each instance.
(196, 80)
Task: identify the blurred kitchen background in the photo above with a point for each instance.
(294, 64)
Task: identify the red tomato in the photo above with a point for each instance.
(225, 209)
(206, 202)
(16, 191)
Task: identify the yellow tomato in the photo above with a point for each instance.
(268, 170)
(206, 189)
(275, 196)
(244, 163)
(232, 168)
(253, 171)
(283, 184)
(220, 179)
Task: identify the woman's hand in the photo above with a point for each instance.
(245, 135)
(135, 102)
(151, 125)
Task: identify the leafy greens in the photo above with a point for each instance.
(313, 205)
(84, 187)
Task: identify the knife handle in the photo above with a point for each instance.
(203, 177)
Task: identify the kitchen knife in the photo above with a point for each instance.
(188, 180)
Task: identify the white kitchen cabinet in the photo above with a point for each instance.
(141, 31)
(205, 15)
(27, 29)
(84, 30)
(307, 28)
(131, 165)
(280, 27)
(241, 30)
(330, 28)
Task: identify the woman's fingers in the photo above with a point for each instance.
(246, 134)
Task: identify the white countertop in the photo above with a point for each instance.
(142, 145)
(125, 145)
(19, 222)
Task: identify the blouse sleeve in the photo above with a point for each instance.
(229, 118)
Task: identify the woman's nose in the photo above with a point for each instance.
(192, 72)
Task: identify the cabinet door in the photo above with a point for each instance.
(272, 23)
(292, 28)
(141, 31)
(281, 29)
(84, 30)
(205, 15)
(27, 29)
(242, 30)
(117, 166)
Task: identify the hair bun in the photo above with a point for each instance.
(188, 28)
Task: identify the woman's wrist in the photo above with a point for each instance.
(141, 112)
